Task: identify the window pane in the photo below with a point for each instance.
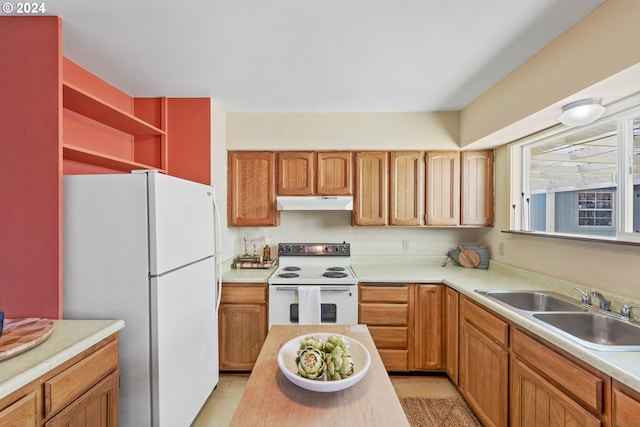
(577, 172)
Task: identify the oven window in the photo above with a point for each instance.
(328, 313)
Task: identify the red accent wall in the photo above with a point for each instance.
(189, 129)
(30, 167)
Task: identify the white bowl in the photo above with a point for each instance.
(287, 362)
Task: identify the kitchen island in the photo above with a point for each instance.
(270, 399)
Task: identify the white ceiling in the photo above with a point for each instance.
(312, 55)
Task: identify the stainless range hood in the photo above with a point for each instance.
(314, 203)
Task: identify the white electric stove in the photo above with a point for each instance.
(326, 266)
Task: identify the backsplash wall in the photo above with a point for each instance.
(333, 226)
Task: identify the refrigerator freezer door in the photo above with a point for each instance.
(181, 222)
(184, 342)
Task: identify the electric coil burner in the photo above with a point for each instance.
(323, 265)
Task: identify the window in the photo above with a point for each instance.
(595, 208)
(582, 181)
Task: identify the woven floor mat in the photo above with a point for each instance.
(438, 412)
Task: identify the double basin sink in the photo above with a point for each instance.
(573, 320)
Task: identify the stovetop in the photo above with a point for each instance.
(314, 264)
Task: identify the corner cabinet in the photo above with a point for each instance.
(83, 392)
(252, 189)
(477, 201)
(243, 325)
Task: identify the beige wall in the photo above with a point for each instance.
(601, 45)
(343, 131)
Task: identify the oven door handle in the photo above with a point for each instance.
(295, 288)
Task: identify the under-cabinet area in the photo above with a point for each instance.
(389, 188)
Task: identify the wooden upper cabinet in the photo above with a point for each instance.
(443, 188)
(307, 173)
(252, 188)
(372, 188)
(477, 188)
(406, 188)
(296, 173)
(335, 173)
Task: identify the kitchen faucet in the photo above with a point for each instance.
(604, 304)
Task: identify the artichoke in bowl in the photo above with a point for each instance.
(338, 358)
(310, 363)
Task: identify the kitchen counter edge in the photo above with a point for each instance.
(69, 338)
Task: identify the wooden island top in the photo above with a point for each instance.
(270, 399)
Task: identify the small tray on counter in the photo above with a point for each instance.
(257, 265)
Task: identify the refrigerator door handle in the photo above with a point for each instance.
(216, 248)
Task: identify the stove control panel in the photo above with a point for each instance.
(314, 249)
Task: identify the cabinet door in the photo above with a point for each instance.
(428, 327)
(243, 329)
(23, 413)
(406, 188)
(536, 402)
(484, 375)
(625, 406)
(451, 334)
(371, 200)
(296, 173)
(443, 188)
(335, 173)
(252, 191)
(477, 188)
(98, 407)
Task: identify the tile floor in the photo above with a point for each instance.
(222, 403)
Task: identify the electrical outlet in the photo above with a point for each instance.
(405, 245)
(501, 249)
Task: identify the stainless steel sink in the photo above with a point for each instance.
(595, 330)
(533, 300)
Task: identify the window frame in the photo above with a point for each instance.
(624, 116)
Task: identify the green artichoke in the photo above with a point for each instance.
(338, 358)
(312, 341)
(310, 363)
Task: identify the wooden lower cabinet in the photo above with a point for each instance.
(387, 310)
(243, 325)
(625, 406)
(82, 392)
(537, 402)
(451, 333)
(428, 331)
(484, 364)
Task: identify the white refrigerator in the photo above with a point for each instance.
(142, 247)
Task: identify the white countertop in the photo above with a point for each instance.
(69, 338)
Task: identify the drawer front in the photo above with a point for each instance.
(570, 377)
(491, 325)
(243, 294)
(384, 294)
(395, 360)
(390, 337)
(384, 314)
(24, 412)
(62, 389)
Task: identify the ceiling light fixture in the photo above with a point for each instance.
(582, 112)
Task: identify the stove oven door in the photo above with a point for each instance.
(338, 305)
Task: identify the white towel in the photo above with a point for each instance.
(308, 305)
